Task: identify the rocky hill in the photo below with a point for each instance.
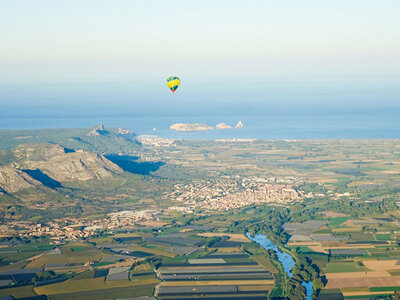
(13, 180)
(51, 165)
(97, 139)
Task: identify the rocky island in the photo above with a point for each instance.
(239, 125)
(190, 127)
(223, 126)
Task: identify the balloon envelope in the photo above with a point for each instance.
(173, 83)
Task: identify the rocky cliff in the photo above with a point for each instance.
(12, 180)
(56, 163)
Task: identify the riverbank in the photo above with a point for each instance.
(284, 258)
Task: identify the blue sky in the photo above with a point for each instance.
(92, 40)
(65, 58)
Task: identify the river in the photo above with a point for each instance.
(284, 258)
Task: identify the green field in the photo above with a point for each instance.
(69, 254)
(18, 292)
(385, 288)
(11, 257)
(394, 272)
(265, 262)
(90, 284)
(338, 220)
(383, 237)
(344, 267)
(237, 260)
(302, 248)
(368, 296)
(112, 293)
(102, 263)
(77, 249)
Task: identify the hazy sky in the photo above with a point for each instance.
(89, 40)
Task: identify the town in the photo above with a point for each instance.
(233, 194)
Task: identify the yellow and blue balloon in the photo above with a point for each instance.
(173, 83)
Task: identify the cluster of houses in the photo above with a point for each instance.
(232, 194)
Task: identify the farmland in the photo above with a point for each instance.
(359, 260)
(331, 205)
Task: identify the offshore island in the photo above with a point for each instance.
(202, 126)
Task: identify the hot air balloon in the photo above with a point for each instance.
(173, 83)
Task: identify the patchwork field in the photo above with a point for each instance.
(222, 282)
(154, 250)
(360, 279)
(235, 237)
(81, 285)
(363, 260)
(72, 253)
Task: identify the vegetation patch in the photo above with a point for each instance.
(344, 267)
(383, 237)
(338, 221)
(385, 288)
(77, 249)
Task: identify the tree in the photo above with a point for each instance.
(396, 295)
(317, 283)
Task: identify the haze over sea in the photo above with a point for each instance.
(270, 108)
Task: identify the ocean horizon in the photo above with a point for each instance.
(270, 108)
(269, 127)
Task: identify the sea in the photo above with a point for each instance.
(275, 127)
(271, 109)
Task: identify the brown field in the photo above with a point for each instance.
(236, 249)
(220, 282)
(319, 249)
(354, 246)
(70, 286)
(235, 237)
(363, 274)
(343, 245)
(361, 282)
(88, 253)
(126, 263)
(153, 251)
(347, 229)
(377, 277)
(356, 183)
(69, 270)
(143, 267)
(104, 240)
(118, 235)
(153, 223)
(304, 244)
(390, 172)
(324, 181)
(329, 244)
(361, 293)
(381, 265)
(333, 214)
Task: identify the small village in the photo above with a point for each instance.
(60, 230)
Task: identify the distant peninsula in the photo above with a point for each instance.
(190, 127)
